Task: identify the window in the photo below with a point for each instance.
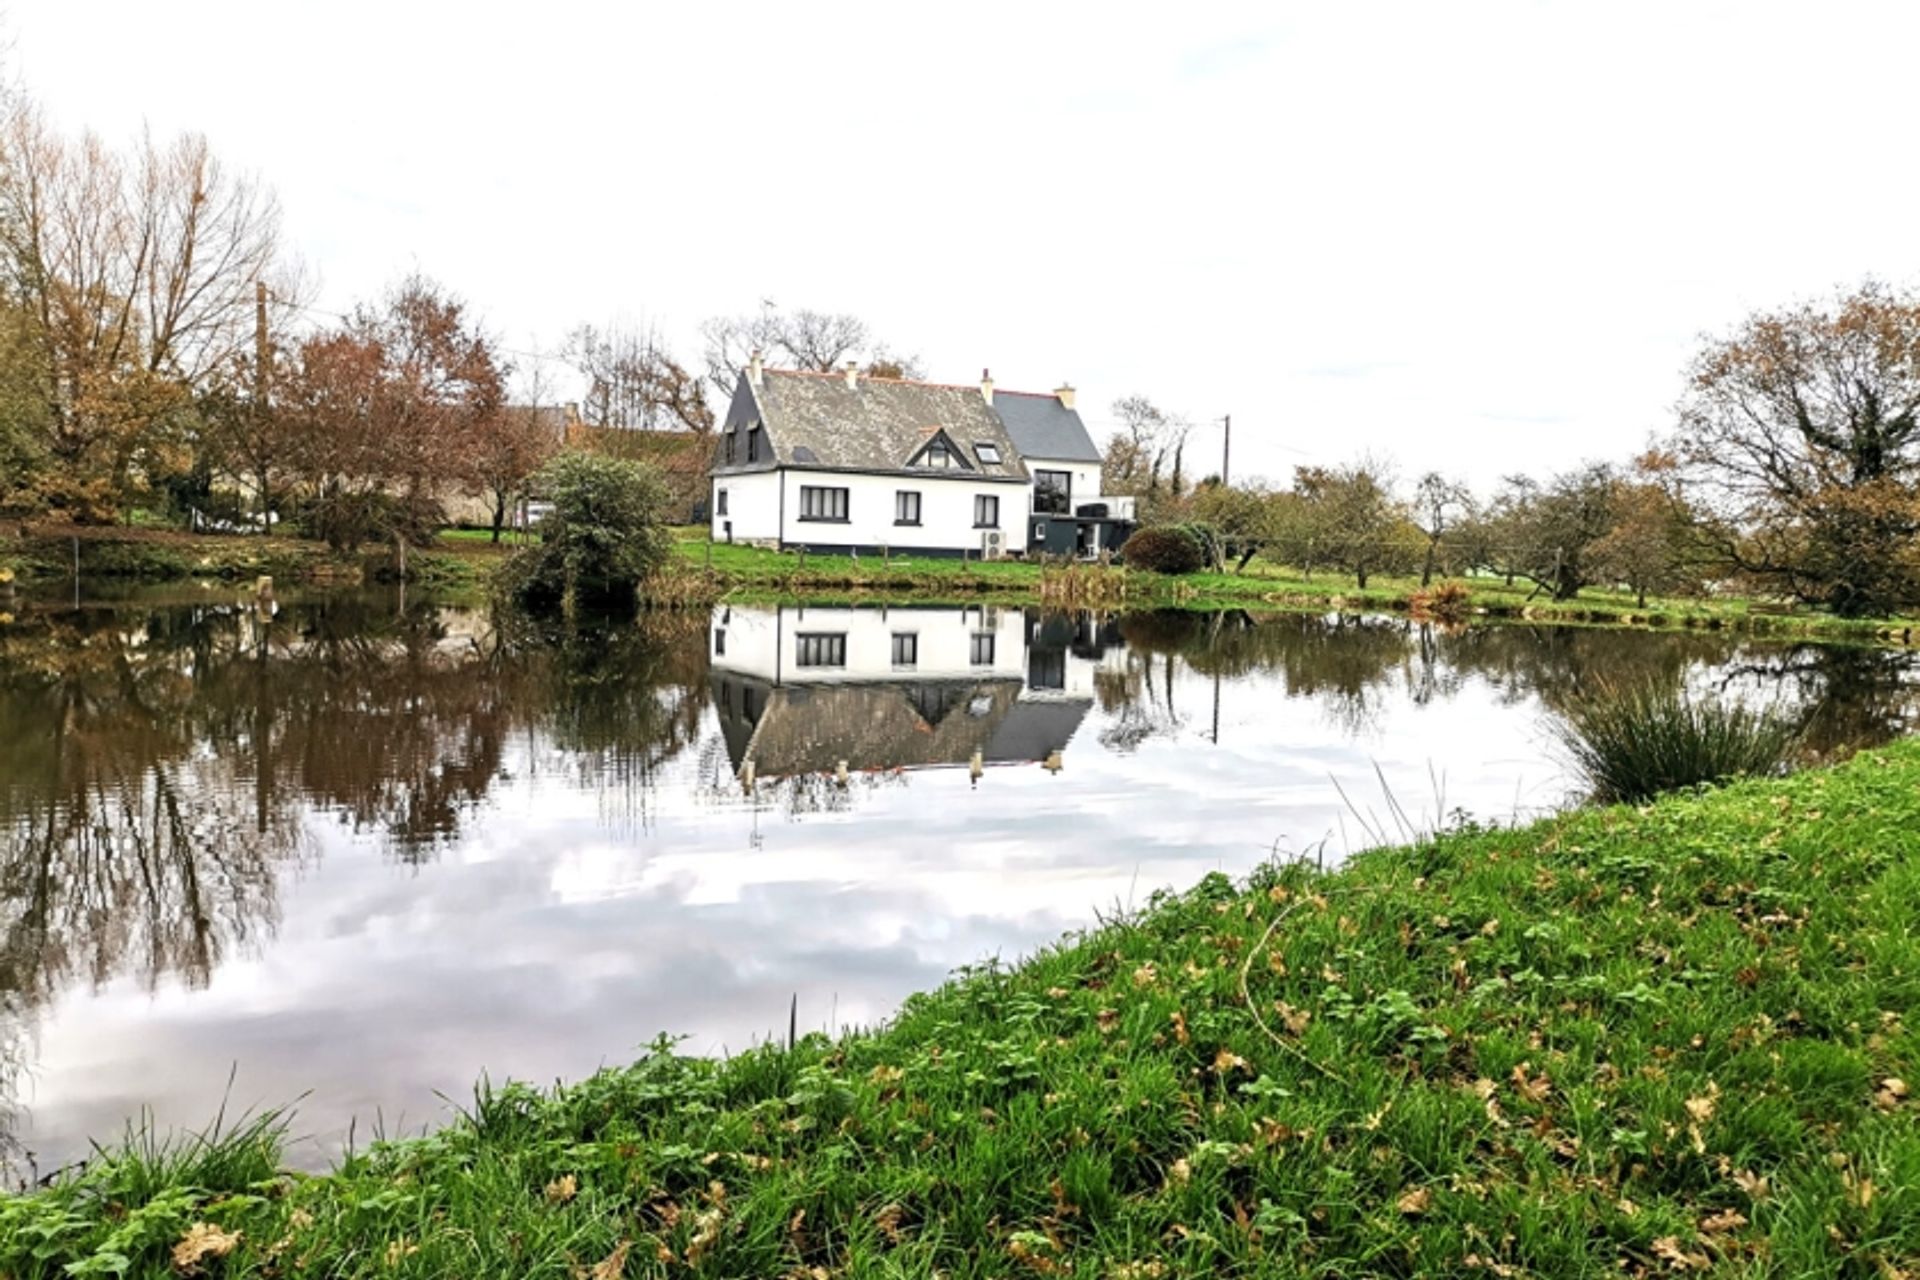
(982, 649)
(906, 649)
(1053, 492)
(906, 507)
(720, 644)
(987, 452)
(940, 456)
(733, 442)
(720, 502)
(753, 444)
(986, 511)
(823, 504)
(819, 649)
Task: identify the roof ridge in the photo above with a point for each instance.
(910, 382)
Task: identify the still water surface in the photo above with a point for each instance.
(358, 850)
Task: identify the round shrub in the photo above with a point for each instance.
(605, 533)
(1164, 549)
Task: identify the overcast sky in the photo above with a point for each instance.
(1470, 236)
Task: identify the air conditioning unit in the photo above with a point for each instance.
(993, 544)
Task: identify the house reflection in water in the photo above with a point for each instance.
(807, 690)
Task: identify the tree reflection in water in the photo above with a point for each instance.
(159, 762)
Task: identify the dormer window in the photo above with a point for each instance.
(987, 452)
(941, 455)
(753, 443)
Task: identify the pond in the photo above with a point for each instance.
(358, 850)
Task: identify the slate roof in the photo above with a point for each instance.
(816, 420)
(917, 725)
(1042, 427)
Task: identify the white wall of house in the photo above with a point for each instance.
(753, 506)
(744, 640)
(946, 512)
(977, 642)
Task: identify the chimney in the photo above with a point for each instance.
(1065, 392)
(852, 371)
(986, 386)
(754, 368)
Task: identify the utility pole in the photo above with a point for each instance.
(262, 367)
(1226, 452)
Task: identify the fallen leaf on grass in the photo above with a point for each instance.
(1892, 1092)
(1180, 1032)
(1756, 1186)
(1701, 1107)
(1107, 1019)
(613, 1265)
(1294, 1020)
(1668, 1250)
(706, 1231)
(203, 1240)
(1723, 1221)
(562, 1189)
(1531, 1087)
(1227, 1060)
(1415, 1202)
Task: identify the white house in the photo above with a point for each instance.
(839, 462)
(804, 689)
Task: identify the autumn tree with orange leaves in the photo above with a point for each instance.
(389, 411)
(1801, 430)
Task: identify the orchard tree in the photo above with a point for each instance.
(1354, 521)
(1546, 533)
(1801, 429)
(1653, 542)
(1438, 505)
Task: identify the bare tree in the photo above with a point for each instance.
(633, 384)
(134, 280)
(816, 341)
(1148, 450)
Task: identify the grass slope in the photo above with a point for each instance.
(1646, 1042)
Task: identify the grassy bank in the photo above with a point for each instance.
(464, 559)
(761, 572)
(1645, 1042)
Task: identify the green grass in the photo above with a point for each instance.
(1262, 584)
(1622, 1041)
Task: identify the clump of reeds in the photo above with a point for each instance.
(1084, 586)
(1444, 602)
(1633, 742)
(680, 588)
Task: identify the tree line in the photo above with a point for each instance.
(160, 358)
(1791, 471)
